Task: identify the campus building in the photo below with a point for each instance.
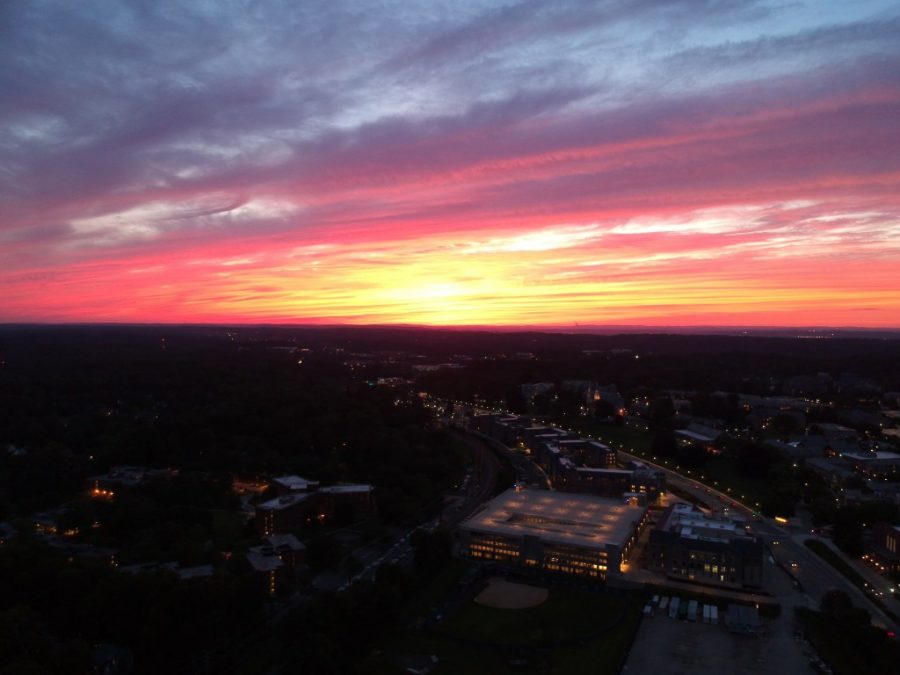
(300, 501)
(880, 465)
(508, 429)
(883, 548)
(558, 532)
(107, 485)
(589, 467)
(689, 545)
(277, 560)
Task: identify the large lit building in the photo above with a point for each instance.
(689, 545)
(554, 531)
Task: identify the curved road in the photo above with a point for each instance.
(815, 574)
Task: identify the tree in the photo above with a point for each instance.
(837, 604)
(664, 444)
(662, 413)
(323, 551)
(755, 460)
(691, 456)
(431, 550)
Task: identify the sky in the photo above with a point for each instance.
(552, 164)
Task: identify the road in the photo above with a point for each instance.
(815, 576)
(477, 487)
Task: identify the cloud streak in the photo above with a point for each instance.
(521, 163)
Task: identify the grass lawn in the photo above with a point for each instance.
(228, 526)
(437, 591)
(564, 616)
(633, 439)
(851, 574)
(724, 471)
(482, 639)
(854, 650)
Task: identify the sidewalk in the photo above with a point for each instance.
(642, 576)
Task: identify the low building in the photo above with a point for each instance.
(688, 545)
(302, 502)
(884, 492)
(884, 547)
(277, 560)
(878, 464)
(834, 432)
(566, 533)
(287, 484)
(803, 447)
(700, 435)
(183, 573)
(194, 572)
(589, 467)
(833, 470)
(106, 485)
(359, 498)
(285, 513)
(613, 483)
(588, 453)
(534, 437)
(508, 429)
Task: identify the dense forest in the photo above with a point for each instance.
(212, 407)
(79, 401)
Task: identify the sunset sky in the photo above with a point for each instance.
(719, 162)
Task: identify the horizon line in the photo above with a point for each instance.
(585, 329)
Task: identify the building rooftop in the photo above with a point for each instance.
(131, 475)
(871, 456)
(608, 472)
(284, 502)
(295, 483)
(693, 524)
(347, 488)
(196, 572)
(263, 561)
(289, 541)
(829, 465)
(564, 518)
(702, 437)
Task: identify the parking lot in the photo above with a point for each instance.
(665, 646)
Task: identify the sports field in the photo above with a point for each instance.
(571, 631)
(503, 594)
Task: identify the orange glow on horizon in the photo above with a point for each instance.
(554, 276)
